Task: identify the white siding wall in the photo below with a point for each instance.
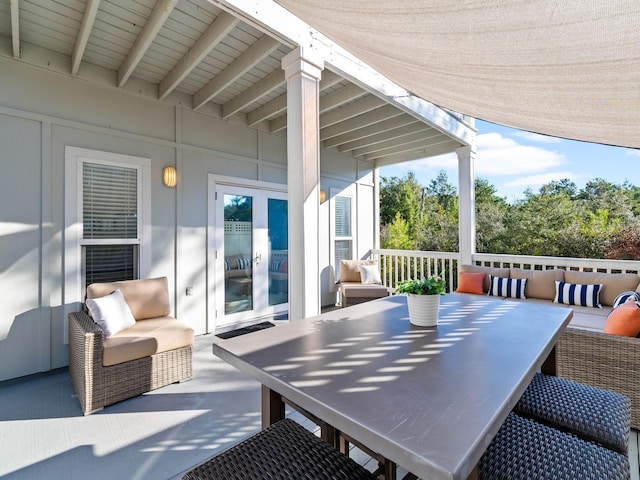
(41, 113)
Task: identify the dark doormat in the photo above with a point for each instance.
(241, 331)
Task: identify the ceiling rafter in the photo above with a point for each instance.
(369, 131)
(279, 104)
(152, 26)
(89, 17)
(423, 136)
(258, 90)
(364, 105)
(389, 134)
(267, 110)
(445, 147)
(376, 116)
(15, 27)
(331, 100)
(253, 55)
(419, 146)
(215, 33)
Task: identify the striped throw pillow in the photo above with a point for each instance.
(275, 266)
(243, 263)
(507, 287)
(227, 267)
(624, 296)
(577, 294)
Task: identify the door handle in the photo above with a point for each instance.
(257, 258)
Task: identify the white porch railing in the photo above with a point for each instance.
(529, 262)
(398, 265)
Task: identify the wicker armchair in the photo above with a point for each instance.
(98, 385)
(602, 360)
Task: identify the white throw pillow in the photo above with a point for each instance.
(111, 313)
(369, 274)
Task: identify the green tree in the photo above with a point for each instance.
(490, 215)
(403, 196)
(396, 236)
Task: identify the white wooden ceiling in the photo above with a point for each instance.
(191, 49)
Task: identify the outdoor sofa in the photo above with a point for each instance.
(584, 352)
(111, 359)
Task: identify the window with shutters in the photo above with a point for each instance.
(110, 204)
(342, 231)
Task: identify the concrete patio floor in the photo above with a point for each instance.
(159, 435)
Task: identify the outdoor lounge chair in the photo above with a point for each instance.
(153, 352)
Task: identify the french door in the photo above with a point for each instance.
(251, 257)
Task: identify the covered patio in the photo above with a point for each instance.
(232, 95)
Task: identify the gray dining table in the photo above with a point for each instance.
(429, 399)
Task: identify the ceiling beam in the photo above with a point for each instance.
(267, 110)
(329, 101)
(373, 117)
(258, 90)
(364, 105)
(15, 27)
(433, 151)
(369, 131)
(423, 137)
(446, 145)
(340, 96)
(90, 12)
(253, 55)
(398, 132)
(329, 79)
(278, 104)
(215, 33)
(152, 26)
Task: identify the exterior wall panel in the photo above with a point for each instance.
(38, 106)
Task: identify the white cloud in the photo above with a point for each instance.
(633, 152)
(542, 179)
(536, 137)
(498, 155)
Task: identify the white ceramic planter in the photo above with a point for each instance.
(423, 309)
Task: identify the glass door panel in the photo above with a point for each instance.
(238, 253)
(277, 228)
(251, 254)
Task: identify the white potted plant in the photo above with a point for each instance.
(423, 299)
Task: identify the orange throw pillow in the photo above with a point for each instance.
(471, 283)
(624, 320)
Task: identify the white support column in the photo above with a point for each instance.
(467, 205)
(303, 70)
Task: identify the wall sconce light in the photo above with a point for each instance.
(169, 177)
(323, 196)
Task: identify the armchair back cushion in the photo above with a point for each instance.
(147, 298)
(350, 269)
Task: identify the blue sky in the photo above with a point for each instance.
(513, 160)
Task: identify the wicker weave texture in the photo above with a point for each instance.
(525, 449)
(283, 451)
(593, 413)
(98, 386)
(604, 361)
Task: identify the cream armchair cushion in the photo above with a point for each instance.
(147, 298)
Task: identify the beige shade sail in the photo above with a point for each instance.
(568, 68)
